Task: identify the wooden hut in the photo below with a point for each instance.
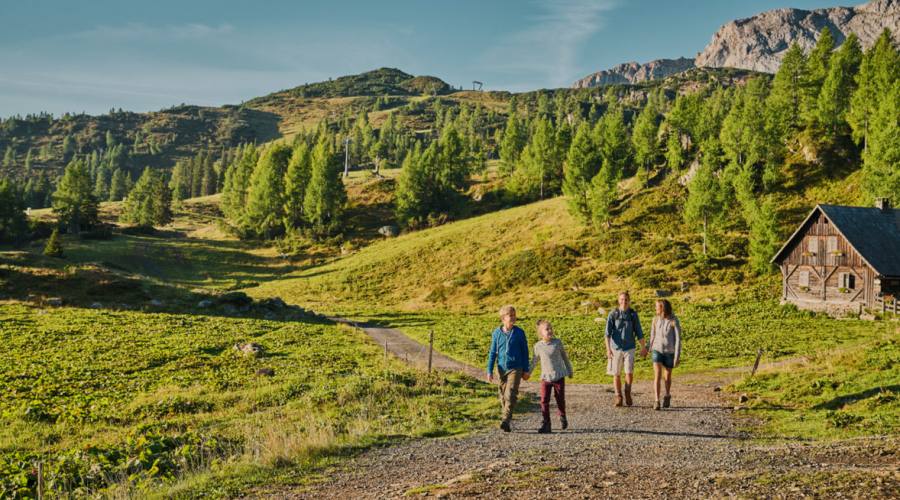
(843, 259)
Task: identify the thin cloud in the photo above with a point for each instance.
(141, 31)
(545, 52)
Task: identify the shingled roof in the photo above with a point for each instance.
(874, 233)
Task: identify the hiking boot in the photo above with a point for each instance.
(504, 426)
(628, 400)
(656, 405)
(545, 427)
(666, 401)
(563, 422)
(618, 401)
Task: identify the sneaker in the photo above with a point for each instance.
(656, 405)
(545, 427)
(666, 401)
(504, 426)
(563, 423)
(618, 401)
(628, 400)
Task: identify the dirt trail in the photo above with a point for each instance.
(691, 450)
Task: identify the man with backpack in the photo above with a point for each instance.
(622, 328)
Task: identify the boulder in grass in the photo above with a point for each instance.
(663, 293)
(266, 372)
(250, 349)
(205, 304)
(273, 303)
(55, 301)
(97, 305)
(389, 231)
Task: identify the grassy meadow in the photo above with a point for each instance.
(140, 403)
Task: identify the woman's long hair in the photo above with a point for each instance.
(667, 308)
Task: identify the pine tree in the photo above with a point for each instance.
(611, 135)
(9, 158)
(209, 180)
(110, 140)
(28, 161)
(643, 139)
(764, 238)
(582, 164)
(834, 98)
(881, 161)
(68, 148)
(265, 198)
(817, 67)
(54, 245)
(74, 202)
(118, 186)
(295, 182)
(101, 183)
(13, 224)
(149, 203)
(413, 194)
(704, 202)
(237, 181)
(604, 190)
(674, 153)
(180, 182)
(539, 171)
(323, 203)
(784, 101)
(515, 136)
(877, 72)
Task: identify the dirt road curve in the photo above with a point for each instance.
(691, 450)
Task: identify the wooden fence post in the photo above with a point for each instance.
(430, 348)
(756, 363)
(40, 480)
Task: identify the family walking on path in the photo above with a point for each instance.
(509, 352)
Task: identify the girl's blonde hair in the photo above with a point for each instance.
(506, 310)
(542, 322)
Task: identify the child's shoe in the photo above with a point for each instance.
(563, 422)
(545, 427)
(504, 426)
(618, 400)
(656, 405)
(628, 400)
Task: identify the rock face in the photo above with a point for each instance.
(759, 42)
(633, 72)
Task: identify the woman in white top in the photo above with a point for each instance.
(665, 344)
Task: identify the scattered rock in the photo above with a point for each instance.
(156, 303)
(266, 372)
(663, 293)
(389, 231)
(273, 303)
(717, 389)
(54, 301)
(685, 286)
(97, 305)
(743, 398)
(205, 304)
(250, 349)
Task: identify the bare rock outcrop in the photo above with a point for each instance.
(758, 43)
(634, 72)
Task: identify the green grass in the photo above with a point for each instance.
(853, 392)
(125, 401)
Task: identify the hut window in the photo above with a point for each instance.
(812, 245)
(832, 244)
(804, 278)
(847, 280)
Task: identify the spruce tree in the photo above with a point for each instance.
(604, 190)
(764, 238)
(9, 158)
(877, 72)
(674, 152)
(237, 181)
(881, 161)
(74, 202)
(582, 164)
(538, 172)
(413, 194)
(180, 182)
(265, 198)
(323, 203)
(54, 245)
(784, 104)
(817, 67)
(296, 180)
(611, 135)
(703, 206)
(515, 136)
(118, 186)
(834, 98)
(149, 203)
(643, 139)
(13, 224)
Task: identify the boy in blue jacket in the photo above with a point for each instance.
(509, 350)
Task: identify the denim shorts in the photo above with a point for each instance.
(666, 358)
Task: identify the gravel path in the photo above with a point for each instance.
(691, 450)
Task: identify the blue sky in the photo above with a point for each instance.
(94, 55)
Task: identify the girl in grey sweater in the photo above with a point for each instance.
(665, 344)
(555, 367)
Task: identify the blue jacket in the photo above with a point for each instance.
(623, 327)
(508, 350)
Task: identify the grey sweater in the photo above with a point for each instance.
(554, 361)
(665, 336)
